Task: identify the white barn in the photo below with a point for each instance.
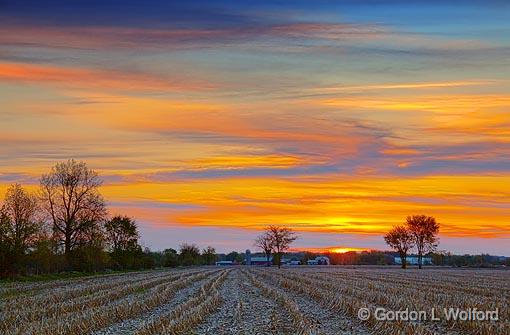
(320, 260)
(413, 260)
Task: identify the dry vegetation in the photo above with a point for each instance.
(243, 300)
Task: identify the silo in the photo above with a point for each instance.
(248, 257)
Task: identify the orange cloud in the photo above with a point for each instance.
(90, 78)
(236, 162)
(400, 151)
(444, 104)
(433, 119)
(465, 205)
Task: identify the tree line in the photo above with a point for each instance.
(65, 226)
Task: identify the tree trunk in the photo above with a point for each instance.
(404, 261)
(419, 260)
(67, 252)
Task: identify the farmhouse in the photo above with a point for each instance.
(413, 260)
(224, 263)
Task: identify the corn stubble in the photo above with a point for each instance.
(83, 306)
(349, 290)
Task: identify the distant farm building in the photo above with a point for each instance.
(224, 263)
(320, 260)
(247, 259)
(257, 261)
(413, 260)
(285, 261)
(261, 261)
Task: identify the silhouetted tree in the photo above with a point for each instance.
(209, 255)
(147, 259)
(73, 204)
(440, 257)
(234, 256)
(122, 235)
(308, 255)
(43, 258)
(281, 238)
(170, 258)
(19, 225)
(344, 258)
(373, 257)
(189, 254)
(401, 240)
(424, 230)
(5, 249)
(265, 243)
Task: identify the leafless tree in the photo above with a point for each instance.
(281, 238)
(72, 201)
(264, 243)
(424, 230)
(401, 240)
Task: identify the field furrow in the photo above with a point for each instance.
(325, 321)
(303, 300)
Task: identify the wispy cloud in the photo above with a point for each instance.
(73, 77)
(83, 37)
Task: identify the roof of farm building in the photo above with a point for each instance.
(261, 259)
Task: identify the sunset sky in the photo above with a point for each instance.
(211, 120)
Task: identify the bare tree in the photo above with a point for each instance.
(281, 238)
(20, 224)
(72, 201)
(265, 243)
(401, 240)
(424, 230)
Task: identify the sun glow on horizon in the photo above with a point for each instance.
(336, 250)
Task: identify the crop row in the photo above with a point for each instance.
(336, 295)
(90, 319)
(40, 310)
(73, 289)
(189, 313)
(301, 323)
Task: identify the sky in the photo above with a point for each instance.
(209, 120)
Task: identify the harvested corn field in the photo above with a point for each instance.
(251, 300)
